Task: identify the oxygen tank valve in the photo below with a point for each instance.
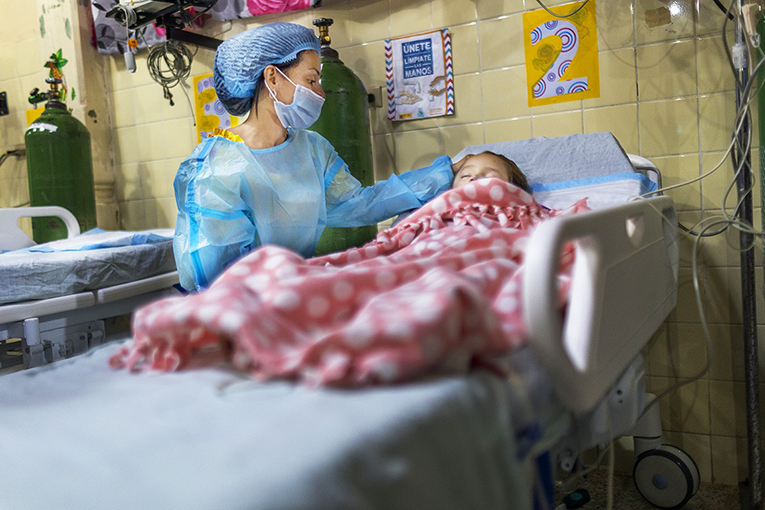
(324, 38)
(324, 24)
(53, 95)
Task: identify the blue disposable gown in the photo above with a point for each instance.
(232, 199)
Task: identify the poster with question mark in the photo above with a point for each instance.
(209, 111)
(561, 54)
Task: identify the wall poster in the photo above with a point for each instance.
(419, 75)
(561, 54)
(209, 111)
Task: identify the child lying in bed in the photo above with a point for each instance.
(487, 165)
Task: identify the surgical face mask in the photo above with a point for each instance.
(304, 110)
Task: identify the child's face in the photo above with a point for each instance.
(481, 166)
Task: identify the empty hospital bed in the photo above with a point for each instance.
(77, 434)
(56, 297)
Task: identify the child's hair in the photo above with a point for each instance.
(513, 172)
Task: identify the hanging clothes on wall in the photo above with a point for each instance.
(111, 37)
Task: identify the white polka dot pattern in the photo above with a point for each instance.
(445, 284)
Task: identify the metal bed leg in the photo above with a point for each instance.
(33, 350)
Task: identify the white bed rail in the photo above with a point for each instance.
(11, 235)
(624, 284)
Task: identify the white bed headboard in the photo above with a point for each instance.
(13, 238)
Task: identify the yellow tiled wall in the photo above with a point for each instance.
(666, 93)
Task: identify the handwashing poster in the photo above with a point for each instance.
(561, 54)
(210, 113)
(419, 75)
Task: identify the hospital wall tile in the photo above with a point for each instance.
(15, 192)
(715, 296)
(456, 138)
(368, 62)
(669, 127)
(157, 178)
(179, 138)
(689, 219)
(507, 130)
(467, 103)
(417, 149)
(501, 42)
(408, 17)
(128, 181)
(728, 353)
(124, 108)
(566, 106)
(127, 150)
(666, 70)
(202, 64)
(504, 93)
(150, 143)
(684, 410)
(401, 126)
(657, 21)
(614, 19)
(728, 408)
(378, 121)
(466, 58)
(716, 120)
(133, 214)
(729, 459)
(384, 152)
(370, 20)
(713, 68)
(621, 120)
(447, 13)
(676, 170)
(617, 78)
(153, 107)
(167, 212)
(715, 185)
(16, 97)
(736, 305)
(493, 8)
(28, 58)
(709, 20)
(557, 124)
(698, 447)
(680, 353)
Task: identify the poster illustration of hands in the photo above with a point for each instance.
(419, 76)
(561, 54)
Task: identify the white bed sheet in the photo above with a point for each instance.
(40, 275)
(78, 435)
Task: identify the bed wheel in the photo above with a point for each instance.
(666, 476)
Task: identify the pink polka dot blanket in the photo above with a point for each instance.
(447, 281)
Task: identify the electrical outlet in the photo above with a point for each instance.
(3, 104)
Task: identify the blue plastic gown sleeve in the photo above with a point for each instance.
(351, 205)
(214, 226)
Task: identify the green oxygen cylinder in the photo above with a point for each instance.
(344, 122)
(59, 166)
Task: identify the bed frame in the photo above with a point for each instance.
(35, 333)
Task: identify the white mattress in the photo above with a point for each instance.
(77, 435)
(39, 275)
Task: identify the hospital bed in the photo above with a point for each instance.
(84, 436)
(56, 299)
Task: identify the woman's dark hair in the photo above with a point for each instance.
(283, 68)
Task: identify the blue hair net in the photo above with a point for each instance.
(240, 61)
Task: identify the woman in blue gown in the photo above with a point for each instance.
(269, 180)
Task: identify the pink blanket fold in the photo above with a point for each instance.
(447, 281)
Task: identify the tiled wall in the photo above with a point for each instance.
(20, 72)
(666, 93)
